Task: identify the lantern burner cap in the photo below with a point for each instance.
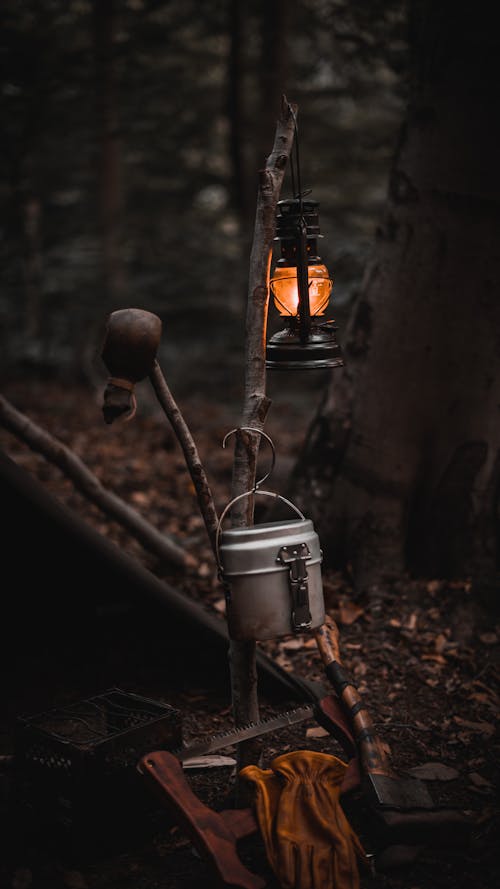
(286, 352)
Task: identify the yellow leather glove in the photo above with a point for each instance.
(308, 839)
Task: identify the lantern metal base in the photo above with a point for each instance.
(285, 351)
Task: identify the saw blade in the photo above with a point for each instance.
(243, 733)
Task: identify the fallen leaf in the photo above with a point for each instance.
(482, 728)
(436, 658)
(211, 761)
(360, 669)
(291, 644)
(480, 696)
(204, 570)
(434, 771)
(316, 731)
(411, 622)
(440, 643)
(488, 638)
(349, 612)
(487, 689)
(478, 780)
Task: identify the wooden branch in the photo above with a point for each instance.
(242, 655)
(193, 462)
(88, 484)
(256, 403)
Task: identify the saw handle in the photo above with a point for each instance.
(214, 834)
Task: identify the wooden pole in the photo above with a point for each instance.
(189, 449)
(242, 655)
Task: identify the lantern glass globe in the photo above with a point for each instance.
(285, 291)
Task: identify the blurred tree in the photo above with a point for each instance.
(109, 176)
(187, 100)
(401, 467)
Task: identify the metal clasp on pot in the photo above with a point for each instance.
(295, 558)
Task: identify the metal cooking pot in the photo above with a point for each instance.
(272, 574)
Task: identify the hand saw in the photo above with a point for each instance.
(327, 712)
(243, 733)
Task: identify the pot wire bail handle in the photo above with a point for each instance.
(254, 490)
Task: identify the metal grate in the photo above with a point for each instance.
(108, 720)
(76, 763)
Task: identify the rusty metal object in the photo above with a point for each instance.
(129, 351)
(213, 834)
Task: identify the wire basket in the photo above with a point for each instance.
(76, 768)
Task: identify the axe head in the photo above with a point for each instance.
(392, 792)
(406, 814)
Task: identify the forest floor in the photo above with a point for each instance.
(423, 652)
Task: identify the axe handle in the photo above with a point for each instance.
(373, 758)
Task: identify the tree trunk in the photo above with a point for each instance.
(109, 161)
(235, 105)
(403, 458)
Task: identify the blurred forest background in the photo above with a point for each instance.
(132, 133)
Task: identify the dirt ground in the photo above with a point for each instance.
(424, 655)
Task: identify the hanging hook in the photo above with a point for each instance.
(271, 444)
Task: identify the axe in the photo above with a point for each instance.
(403, 807)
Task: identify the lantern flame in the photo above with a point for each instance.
(286, 294)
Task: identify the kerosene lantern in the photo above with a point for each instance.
(301, 287)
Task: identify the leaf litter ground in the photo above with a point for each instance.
(423, 653)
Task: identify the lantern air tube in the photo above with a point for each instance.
(303, 284)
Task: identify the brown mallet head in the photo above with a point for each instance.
(131, 342)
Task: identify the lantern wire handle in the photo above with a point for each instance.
(297, 191)
(271, 444)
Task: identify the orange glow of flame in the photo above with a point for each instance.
(285, 290)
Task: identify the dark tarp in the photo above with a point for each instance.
(72, 601)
